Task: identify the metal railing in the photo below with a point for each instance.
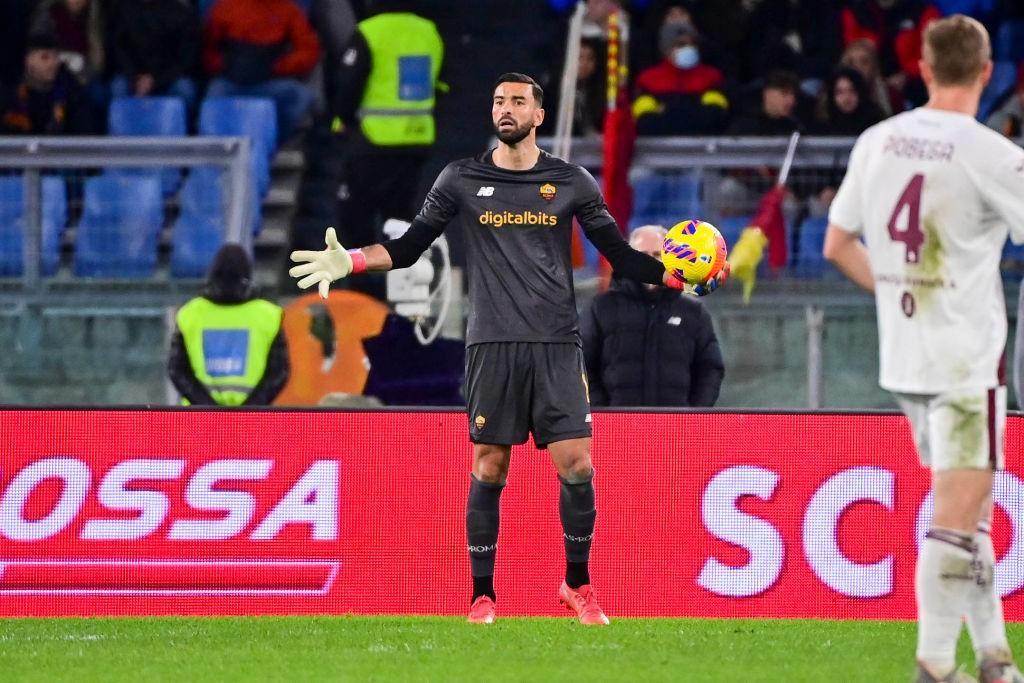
(35, 157)
(688, 153)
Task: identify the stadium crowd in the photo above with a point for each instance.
(747, 67)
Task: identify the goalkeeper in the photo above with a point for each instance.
(524, 364)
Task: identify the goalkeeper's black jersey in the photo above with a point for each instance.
(518, 233)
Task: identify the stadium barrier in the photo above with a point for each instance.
(138, 512)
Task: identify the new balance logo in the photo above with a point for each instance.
(485, 192)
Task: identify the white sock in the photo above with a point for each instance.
(942, 583)
(984, 608)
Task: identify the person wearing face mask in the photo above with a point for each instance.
(680, 95)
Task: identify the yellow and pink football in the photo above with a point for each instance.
(693, 251)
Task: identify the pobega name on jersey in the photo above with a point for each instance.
(128, 487)
(502, 218)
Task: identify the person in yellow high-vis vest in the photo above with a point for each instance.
(389, 78)
(228, 348)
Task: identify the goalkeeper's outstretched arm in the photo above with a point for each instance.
(323, 267)
(846, 252)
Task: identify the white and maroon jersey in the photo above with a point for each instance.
(934, 194)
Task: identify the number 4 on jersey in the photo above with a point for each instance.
(911, 235)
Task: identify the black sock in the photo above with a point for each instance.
(482, 533)
(577, 574)
(577, 510)
(483, 585)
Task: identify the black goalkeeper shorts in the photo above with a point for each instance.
(514, 388)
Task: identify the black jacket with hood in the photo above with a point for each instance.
(650, 347)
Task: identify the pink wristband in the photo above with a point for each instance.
(358, 260)
(672, 282)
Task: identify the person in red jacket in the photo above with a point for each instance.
(895, 28)
(262, 48)
(681, 95)
(681, 70)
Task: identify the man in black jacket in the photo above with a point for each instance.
(155, 49)
(646, 346)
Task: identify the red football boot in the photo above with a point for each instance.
(481, 611)
(583, 602)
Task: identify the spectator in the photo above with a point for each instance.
(262, 48)
(862, 56)
(847, 109)
(650, 346)
(155, 49)
(78, 26)
(681, 95)
(588, 116)
(775, 116)
(895, 28)
(229, 348)
(1009, 118)
(389, 129)
(722, 26)
(48, 100)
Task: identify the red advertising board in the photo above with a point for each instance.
(279, 512)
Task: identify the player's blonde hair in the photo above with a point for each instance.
(957, 49)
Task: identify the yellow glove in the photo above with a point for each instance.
(744, 257)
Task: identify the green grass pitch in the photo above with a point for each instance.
(448, 649)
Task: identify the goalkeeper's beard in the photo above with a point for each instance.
(515, 135)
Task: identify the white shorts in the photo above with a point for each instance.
(960, 430)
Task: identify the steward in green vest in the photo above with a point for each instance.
(390, 76)
(229, 348)
(388, 81)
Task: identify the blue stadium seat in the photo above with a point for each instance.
(12, 224)
(251, 117)
(1009, 43)
(665, 199)
(979, 9)
(732, 226)
(199, 231)
(149, 116)
(1012, 262)
(1004, 80)
(121, 220)
(809, 261)
(163, 116)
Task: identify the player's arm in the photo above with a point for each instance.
(846, 220)
(603, 233)
(321, 268)
(848, 254)
(1002, 183)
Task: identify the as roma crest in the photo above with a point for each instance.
(547, 191)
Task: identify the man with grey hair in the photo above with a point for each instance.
(647, 346)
